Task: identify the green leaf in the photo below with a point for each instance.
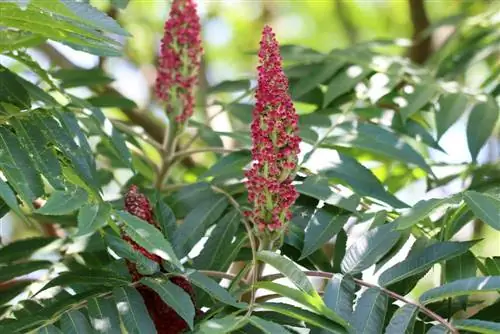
(485, 206)
(289, 269)
(370, 310)
(340, 294)
(92, 216)
(438, 329)
(124, 250)
(420, 211)
(196, 223)
(415, 130)
(233, 162)
(23, 248)
(11, 40)
(268, 327)
(403, 320)
(74, 322)
(149, 237)
(104, 316)
(463, 266)
(133, 312)
(121, 4)
(88, 277)
(241, 111)
(451, 107)
(189, 197)
(14, 270)
(33, 140)
(482, 120)
(344, 81)
(11, 90)
(307, 83)
(9, 198)
(212, 288)
(81, 77)
(304, 315)
(49, 329)
(340, 249)
(317, 187)
(13, 291)
(420, 96)
(361, 179)
(17, 166)
(111, 101)
(230, 86)
(323, 225)
(223, 325)
(477, 326)
(369, 248)
(174, 296)
(64, 202)
(421, 261)
(461, 287)
(166, 218)
(219, 246)
(492, 265)
(377, 140)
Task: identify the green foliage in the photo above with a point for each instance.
(374, 126)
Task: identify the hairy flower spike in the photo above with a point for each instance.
(275, 142)
(179, 61)
(166, 320)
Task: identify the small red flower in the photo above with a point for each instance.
(179, 61)
(275, 142)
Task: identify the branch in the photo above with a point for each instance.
(392, 294)
(421, 48)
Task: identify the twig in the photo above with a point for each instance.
(218, 274)
(390, 293)
(253, 246)
(144, 136)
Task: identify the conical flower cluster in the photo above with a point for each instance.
(166, 320)
(179, 61)
(275, 141)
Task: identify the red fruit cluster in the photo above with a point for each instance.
(166, 320)
(275, 142)
(179, 61)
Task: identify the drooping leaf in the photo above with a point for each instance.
(482, 120)
(219, 245)
(149, 237)
(307, 83)
(420, 211)
(189, 197)
(11, 89)
(485, 206)
(369, 312)
(304, 315)
(233, 162)
(23, 248)
(103, 316)
(421, 95)
(340, 294)
(421, 261)
(74, 322)
(17, 166)
(124, 250)
(451, 107)
(196, 223)
(289, 269)
(361, 179)
(9, 198)
(403, 320)
(461, 287)
(324, 224)
(133, 312)
(477, 326)
(369, 248)
(92, 216)
(33, 140)
(340, 249)
(64, 202)
(212, 288)
(166, 218)
(88, 276)
(415, 130)
(81, 77)
(268, 327)
(174, 296)
(377, 140)
(19, 269)
(344, 81)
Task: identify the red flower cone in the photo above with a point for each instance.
(275, 142)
